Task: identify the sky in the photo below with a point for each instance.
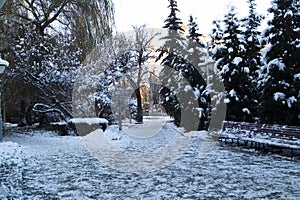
(154, 12)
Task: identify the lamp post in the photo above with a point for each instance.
(3, 65)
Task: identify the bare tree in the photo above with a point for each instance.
(142, 52)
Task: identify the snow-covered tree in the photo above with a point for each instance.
(174, 43)
(97, 79)
(196, 49)
(187, 99)
(120, 58)
(228, 52)
(173, 23)
(44, 43)
(279, 79)
(251, 61)
(89, 22)
(139, 74)
(184, 90)
(193, 31)
(252, 44)
(44, 70)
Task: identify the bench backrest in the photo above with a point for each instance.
(280, 130)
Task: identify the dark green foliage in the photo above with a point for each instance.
(196, 48)
(279, 83)
(173, 23)
(189, 101)
(252, 60)
(193, 32)
(171, 104)
(237, 55)
(229, 64)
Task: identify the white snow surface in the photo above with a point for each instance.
(4, 62)
(11, 165)
(237, 60)
(188, 88)
(246, 110)
(291, 101)
(89, 121)
(288, 13)
(218, 48)
(297, 76)
(58, 167)
(246, 70)
(277, 63)
(226, 100)
(278, 96)
(232, 93)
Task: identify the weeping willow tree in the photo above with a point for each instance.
(90, 21)
(45, 43)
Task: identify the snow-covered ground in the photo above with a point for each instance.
(11, 165)
(55, 167)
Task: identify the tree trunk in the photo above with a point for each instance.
(139, 116)
(28, 115)
(120, 123)
(22, 121)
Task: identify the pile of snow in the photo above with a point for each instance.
(144, 137)
(89, 121)
(11, 165)
(10, 125)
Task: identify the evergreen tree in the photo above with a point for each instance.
(228, 53)
(279, 81)
(251, 60)
(193, 31)
(252, 39)
(172, 45)
(174, 42)
(173, 23)
(196, 47)
(197, 56)
(183, 91)
(189, 101)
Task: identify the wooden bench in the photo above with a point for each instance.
(274, 130)
(275, 136)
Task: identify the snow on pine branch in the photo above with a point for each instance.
(278, 96)
(278, 63)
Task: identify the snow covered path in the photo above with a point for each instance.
(61, 168)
